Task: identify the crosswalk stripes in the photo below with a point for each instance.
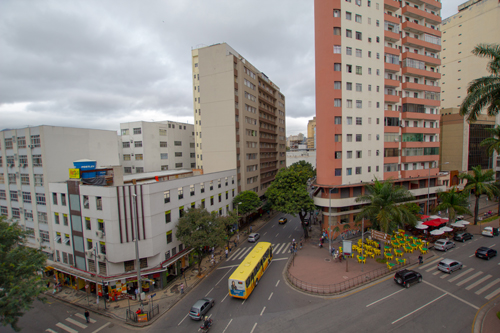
(431, 263)
(437, 272)
(493, 294)
(79, 315)
(234, 253)
(464, 281)
(447, 275)
(50, 330)
(240, 253)
(456, 277)
(488, 286)
(66, 328)
(278, 248)
(243, 253)
(478, 282)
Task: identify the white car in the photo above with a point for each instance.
(252, 238)
(487, 231)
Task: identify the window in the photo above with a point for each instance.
(180, 193)
(35, 141)
(178, 165)
(338, 120)
(337, 102)
(358, 154)
(348, 16)
(164, 156)
(337, 85)
(139, 157)
(12, 178)
(359, 137)
(137, 130)
(126, 144)
(27, 197)
(137, 144)
(348, 33)
(168, 217)
(369, 87)
(42, 217)
(369, 71)
(349, 103)
(40, 199)
(377, 39)
(56, 218)
(348, 85)
(338, 137)
(126, 157)
(349, 154)
(337, 49)
(169, 236)
(178, 154)
(349, 138)
(358, 18)
(348, 50)
(359, 87)
(359, 104)
(37, 160)
(359, 53)
(163, 131)
(359, 121)
(13, 196)
(349, 120)
(65, 219)
(337, 67)
(359, 70)
(358, 170)
(127, 169)
(98, 203)
(177, 143)
(358, 35)
(348, 68)
(348, 171)
(336, 13)
(338, 155)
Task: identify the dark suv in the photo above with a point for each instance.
(406, 277)
(463, 236)
(485, 252)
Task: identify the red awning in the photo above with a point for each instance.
(424, 216)
(436, 222)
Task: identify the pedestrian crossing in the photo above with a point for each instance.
(240, 253)
(74, 324)
(470, 279)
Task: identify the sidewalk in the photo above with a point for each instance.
(165, 298)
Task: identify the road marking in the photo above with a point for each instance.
(272, 226)
(277, 283)
(289, 235)
(464, 281)
(264, 233)
(448, 275)
(222, 277)
(472, 255)
(385, 297)
(431, 263)
(209, 292)
(79, 315)
(469, 287)
(243, 253)
(253, 327)
(243, 301)
(277, 234)
(423, 306)
(490, 296)
(460, 299)
(270, 297)
(488, 286)
(235, 253)
(66, 328)
(49, 330)
(491, 246)
(279, 248)
(262, 311)
(76, 323)
(456, 277)
(182, 320)
(224, 267)
(276, 250)
(437, 272)
(100, 328)
(227, 326)
(224, 297)
(430, 269)
(286, 258)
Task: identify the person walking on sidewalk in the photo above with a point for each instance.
(226, 252)
(182, 288)
(87, 315)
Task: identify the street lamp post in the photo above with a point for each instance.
(138, 263)
(330, 220)
(429, 186)
(238, 215)
(96, 281)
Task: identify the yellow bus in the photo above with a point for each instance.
(244, 279)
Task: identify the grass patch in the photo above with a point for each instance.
(489, 219)
(381, 260)
(498, 314)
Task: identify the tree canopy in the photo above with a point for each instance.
(492, 143)
(20, 274)
(453, 202)
(304, 169)
(247, 202)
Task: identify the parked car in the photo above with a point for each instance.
(201, 307)
(485, 252)
(252, 238)
(449, 265)
(283, 220)
(406, 277)
(488, 231)
(463, 236)
(444, 245)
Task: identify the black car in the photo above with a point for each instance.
(485, 252)
(463, 236)
(406, 277)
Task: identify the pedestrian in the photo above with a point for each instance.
(420, 259)
(48, 284)
(226, 252)
(291, 248)
(238, 237)
(250, 228)
(182, 288)
(301, 245)
(336, 255)
(340, 257)
(87, 315)
(235, 244)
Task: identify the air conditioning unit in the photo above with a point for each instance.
(101, 256)
(89, 253)
(99, 233)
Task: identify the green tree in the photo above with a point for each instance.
(247, 202)
(492, 143)
(481, 183)
(199, 228)
(454, 202)
(386, 210)
(288, 194)
(228, 222)
(304, 169)
(20, 274)
(484, 92)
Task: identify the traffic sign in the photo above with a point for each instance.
(380, 235)
(86, 286)
(153, 295)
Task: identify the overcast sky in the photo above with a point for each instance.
(96, 64)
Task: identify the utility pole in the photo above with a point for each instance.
(96, 281)
(362, 240)
(330, 221)
(137, 260)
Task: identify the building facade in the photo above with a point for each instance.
(152, 146)
(31, 158)
(311, 133)
(377, 100)
(239, 118)
(94, 242)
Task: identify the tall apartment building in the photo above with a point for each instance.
(311, 133)
(377, 100)
(477, 21)
(153, 146)
(31, 158)
(239, 118)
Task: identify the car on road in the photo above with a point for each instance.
(406, 277)
(444, 244)
(486, 253)
(201, 307)
(283, 220)
(463, 236)
(449, 265)
(487, 231)
(252, 238)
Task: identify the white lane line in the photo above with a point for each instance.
(276, 248)
(234, 253)
(79, 315)
(262, 311)
(100, 328)
(243, 302)
(472, 255)
(430, 269)
(431, 263)
(295, 228)
(469, 287)
(222, 277)
(270, 297)
(49, 330)
(76, 323)
(224, 297)
(491, 246)
(66, 328)
(456, 297)
(423, 306)
(224, 267)
(272, 226)
(286, 258)
(279, 248)
(209, 292)
(289, 235)
(264, 233)
(437, 272)
(464, 281)
(456, 277)
(243, 253)
(253, 327)
(277, 283)
(490, 296)
(277, 234)
(486, 287)
(385, 297)
(227, 326)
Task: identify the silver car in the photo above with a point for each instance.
(252, 238)
(201, 307)
(444, 244)
(449, 265)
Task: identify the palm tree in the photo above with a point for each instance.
(484, 92)
(493, 144)
(481, 182)
(454, 202)
(384, 210)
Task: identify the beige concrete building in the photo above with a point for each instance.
(476, 22)
(311, 134)
(239, 118)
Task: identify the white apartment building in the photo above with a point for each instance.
(100, 218)
(31, 158)
(152, 146)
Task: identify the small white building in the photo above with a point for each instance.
(98, 224)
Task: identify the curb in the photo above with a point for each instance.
(482, 313)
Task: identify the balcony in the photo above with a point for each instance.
(422, 101)
(420, 57)
(391, 113)
(418, 28)
(272, 168)
(420, 72)
(431, 3)
(267, 140)
(391, 160)
(391, 36)
(418, 115)
(410, 41)
(267, 159)
(269, 121)
(265, 130)
(392, 50)
(393, 19)
(420, 158)
(391, 144)
(420, 14)
(391, 4)
(267, 179)
(391, 129)
(391, 67)
(391, 175)
(391, 98)
(266, 111)
(420, 87)
(417, 173)
(419, 144)
(391, 83)
(423, 130)
(267, 150)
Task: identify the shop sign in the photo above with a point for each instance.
(74, 173)
(142, 317)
